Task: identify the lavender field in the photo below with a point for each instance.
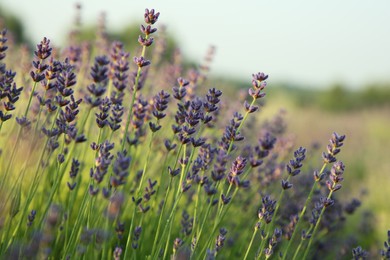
(112, 151)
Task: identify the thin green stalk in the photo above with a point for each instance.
(221, 214)
(165, 200)
(78, 222)
(240, 126)
(169, 223)
(161, 179)
(127, 249)
(179, 192)
(106, 245)
(173, 210)
(69, 201)
(302, 214)
(30, 99)
(262, 246)
(137, 78)
(251, 242)
(183, 172)
(196, 207)
(40, 109)
(176, 199)
(60, 175)
(13, 211)
(317, 225)
(199, 233)
(272, 224)
(298, 250)
(6, 234)
(161, 215)
(218, 221)
(221, 204)
(140, 244)
(93, 199)
(1, 123)
(209, 209)
(269, 228)
(167, 241)
(138, 193)
(84, 206)
(145, 164)
(85, 119)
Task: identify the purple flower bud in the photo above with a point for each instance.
(286, 185)
(173, 173)
(147, 30)
(150, 16)
(145, 41)
(31, 217)
(141, 62)
(43, 49)
(182, 82)
(71, 186)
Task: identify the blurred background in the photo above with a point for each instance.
(328, 61)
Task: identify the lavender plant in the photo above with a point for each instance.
(97, 166)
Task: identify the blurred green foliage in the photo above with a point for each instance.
(337, 98)
(14, 25)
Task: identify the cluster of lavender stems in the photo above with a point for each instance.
(103, 167)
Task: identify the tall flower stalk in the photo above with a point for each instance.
(145, 41)
(333, 148)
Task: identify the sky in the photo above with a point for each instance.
(302, 42)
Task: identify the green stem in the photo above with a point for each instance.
(169, 224)
(145, 165)
(60, 175)
(262, 246)
(203, 224)
(176, 200)
(218, 221)
(269, 228)
(106, 245)
(250, 243)
(1, 123)
(298, 250)
(240, 126)
(161, 215)
(137, 78)
(6, 234)
(77, 225)
(196, 208)
(138, 194)
(30, 99)
(301, 215)
(317, 225)
(165, 200)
